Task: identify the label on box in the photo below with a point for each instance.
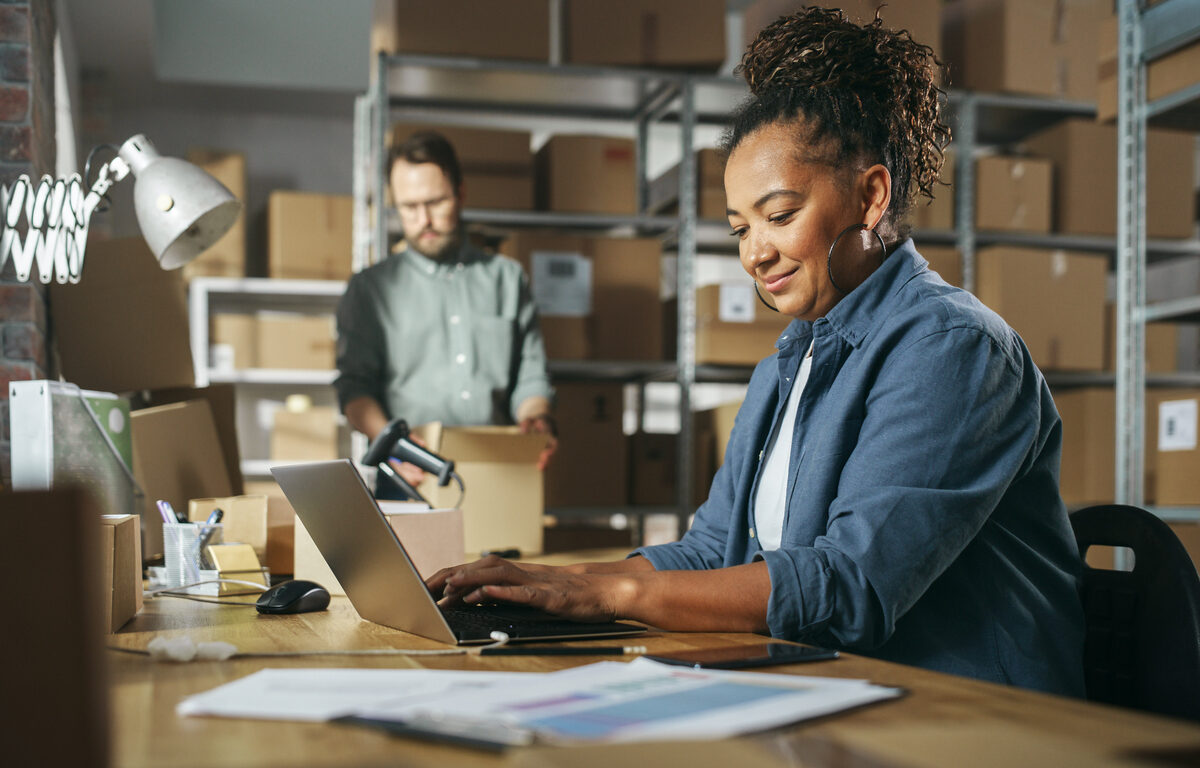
(736, 303)
(562, 283)
(1177, 425)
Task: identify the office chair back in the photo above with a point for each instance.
(1142, 648)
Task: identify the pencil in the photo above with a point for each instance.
(607, 650)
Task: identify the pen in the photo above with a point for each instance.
(207, 534)
(164, 509)
(215, 517)
(607, 650)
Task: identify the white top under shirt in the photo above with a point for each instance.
(770, 502)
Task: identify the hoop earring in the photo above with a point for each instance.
(858, 280)
(760, 297)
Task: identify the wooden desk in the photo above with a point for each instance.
(944, 721)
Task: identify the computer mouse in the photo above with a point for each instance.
(297, 596)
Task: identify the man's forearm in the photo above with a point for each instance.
(366, 415)
(532, 407)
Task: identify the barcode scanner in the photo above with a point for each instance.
(393, 443)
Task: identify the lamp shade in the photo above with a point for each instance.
(181, 209)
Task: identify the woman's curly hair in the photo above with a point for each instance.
(865, 93)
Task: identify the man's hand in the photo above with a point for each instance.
(542, 423)
(412, 474)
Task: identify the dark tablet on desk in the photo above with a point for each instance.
(743, 656)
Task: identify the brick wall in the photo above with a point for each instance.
(27, 30)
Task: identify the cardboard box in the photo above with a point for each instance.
(227, 256)
(1085, 162)
(497, 166)
(653, 467)
(1023, 46)
(281, 526)
(937, 214)
(484, 29)
(946, 261)
(1189, 537)
(244, 521)
(589, 467)
(710, 187)
(309, 236)
(1164, 76)
(307, 435)
(646, 33)
(625, 322)
(1053, 299)
(1162, 344)
(124, 326)
(719, 421)
(586, 174)
(176, 457)
(1088, 469)
(233, 342)
(1012, 194)
(732, 326)
(503, 504)
(121, 569)
(222, 401)
(1176, 481)
(295, 341)
(432, 538)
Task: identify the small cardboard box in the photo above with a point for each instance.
(946, 261)
(503, 504)
(281, 526)
(482, 29)
(1176, 481)
(1053, 299)
(647, 33)
(1189, 536)
(233, 341)
(309, 235)
(710, 187)
(1085, 193)
(244, 521)
(937, 214)
(1012, 194)
(177, 456)
(1162, 344)
(732, 326)
(307, 435)
(222, 401)
(1164, 76)
(586, 174)
(121, 569)
(294, 341)
(653, 467)
(624, 322)
(589, 467)
(227, 256)
(432, 538)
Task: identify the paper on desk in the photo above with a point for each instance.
(639, 701)
(323, 694)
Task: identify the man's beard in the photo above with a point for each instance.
(445, 245)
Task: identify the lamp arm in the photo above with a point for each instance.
(57, 214)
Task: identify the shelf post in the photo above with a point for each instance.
(379, 158)
(965, 140)
(686, 292)
(1130, 383)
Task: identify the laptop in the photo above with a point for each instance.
(362, 550)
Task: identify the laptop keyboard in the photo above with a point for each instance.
(478, 622)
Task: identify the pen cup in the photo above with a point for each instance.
(183, 550)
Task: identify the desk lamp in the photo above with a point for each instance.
(181, 211)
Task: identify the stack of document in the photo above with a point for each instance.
(607, 702)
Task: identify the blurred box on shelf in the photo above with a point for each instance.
(295, 341)
(309, 235)
(244, 519)
(573, 536)
(920, 17)
(653, 467)
(1089, 456)
(483, 29)
(305, 435)
(497, 166)
(680, 34)
(589, 467)
(1023, 46)
(617, 278)
(937, 214)
(233, 341)
(120, 570)
(1084, 154)
(1176, 481)
(945, 260)
(124, 326)
(663, 192)
(586, 174)
(1177, 70)
(433, 539)
(280, 525)
(732, 326)
(227, 256)
(1012, 194)
(503, 504)
(1189, 536)
(222, 402)
(1162, 344)
(719, 422)
(1053, 299)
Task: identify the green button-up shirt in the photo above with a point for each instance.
(455, 341)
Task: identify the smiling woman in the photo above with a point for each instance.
(891, 482)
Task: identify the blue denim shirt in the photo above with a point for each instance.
(923, 521)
